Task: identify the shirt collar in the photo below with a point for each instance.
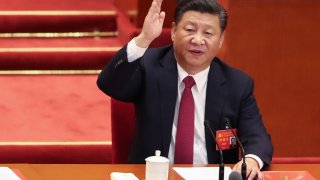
(200, 78)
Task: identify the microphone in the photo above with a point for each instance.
(221, 165)
(244, 165)
(234, 175)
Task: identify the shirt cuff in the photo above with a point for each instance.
(133, 51)
(260, 162)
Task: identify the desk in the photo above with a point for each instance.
(102, 171)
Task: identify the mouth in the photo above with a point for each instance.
(196, 52)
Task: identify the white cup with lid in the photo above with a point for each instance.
(157, 167)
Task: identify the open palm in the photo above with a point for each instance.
(153, 23)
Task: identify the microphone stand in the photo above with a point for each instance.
(221, 164)
(244, 165)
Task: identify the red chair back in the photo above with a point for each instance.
(122, 127)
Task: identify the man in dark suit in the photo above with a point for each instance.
(157, 80)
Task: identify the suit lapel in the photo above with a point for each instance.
(215, 94)
(214, 105)
(168, 93)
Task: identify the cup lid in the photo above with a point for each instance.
(157, 158)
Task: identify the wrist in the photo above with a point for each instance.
(257, 159)
(141, 41)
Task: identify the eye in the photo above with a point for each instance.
(189, 29)
(209, 33)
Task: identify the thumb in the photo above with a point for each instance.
(162, 16)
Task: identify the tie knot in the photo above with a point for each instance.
(189, 81)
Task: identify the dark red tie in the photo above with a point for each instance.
(183, 153)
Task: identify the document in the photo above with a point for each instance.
(203, 173)
(122, 176)
(7, 174)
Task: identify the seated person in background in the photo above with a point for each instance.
(177, 87)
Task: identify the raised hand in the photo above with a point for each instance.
(152, 26)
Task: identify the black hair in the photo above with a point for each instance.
(202, 6)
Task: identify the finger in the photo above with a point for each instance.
(155, 7)
(260, 175)
(249, 173)
(159, 2)
(249, 170)
(152, 7)
(253, 173)
(161, 17)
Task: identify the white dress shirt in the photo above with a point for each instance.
(199, 91)
(199, 96)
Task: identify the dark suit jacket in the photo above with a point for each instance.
(151, 84)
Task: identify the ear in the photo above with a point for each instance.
(221, 40)
(173, 30)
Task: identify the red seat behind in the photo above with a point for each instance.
(122, 127)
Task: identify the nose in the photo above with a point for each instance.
(197, 39)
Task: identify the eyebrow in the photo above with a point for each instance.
(195, 24)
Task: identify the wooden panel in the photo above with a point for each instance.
(277, 43)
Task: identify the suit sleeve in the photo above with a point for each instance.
(121, 79)
(252, 131)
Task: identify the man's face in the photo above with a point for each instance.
(196, 40)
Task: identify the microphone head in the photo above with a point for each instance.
(226, 120)
(206, 122)
(235, 175)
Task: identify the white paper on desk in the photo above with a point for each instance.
(7, 174)
(203, 173)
